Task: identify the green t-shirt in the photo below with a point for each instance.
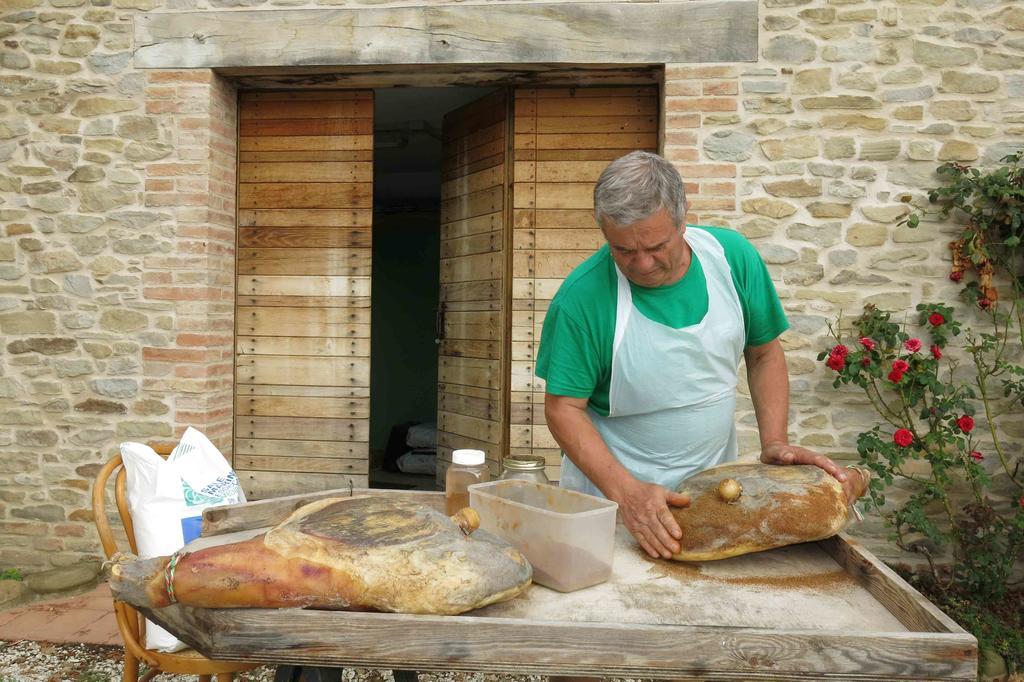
(575, 354)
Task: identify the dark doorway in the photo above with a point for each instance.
(406, 244)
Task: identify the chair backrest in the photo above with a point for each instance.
(130, 622)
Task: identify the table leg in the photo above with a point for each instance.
(287, 673)
(306, 673)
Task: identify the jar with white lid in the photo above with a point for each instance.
(468, 467)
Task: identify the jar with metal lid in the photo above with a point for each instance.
(526, 467)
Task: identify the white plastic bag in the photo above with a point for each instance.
(167, 498)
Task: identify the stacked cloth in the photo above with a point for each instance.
(421, 455)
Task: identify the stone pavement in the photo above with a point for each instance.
(87, 618)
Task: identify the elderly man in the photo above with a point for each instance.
(641, 349)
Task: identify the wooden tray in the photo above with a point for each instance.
(828, 610)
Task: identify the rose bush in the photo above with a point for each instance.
(929, 412)
(944, 409)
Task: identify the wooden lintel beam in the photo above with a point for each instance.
(566, 33)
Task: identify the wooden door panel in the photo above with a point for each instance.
(306, 127)
(286, 261)
(302, 311)
(303, 371)
(297, 428)
(490, 222)
(291, 345)
(304, 286)
(564, 138)
(475, 209)
(305, 465)
(302, 406)
(327, 171)
(306, 195)
(310, 218)
(303, 237)
(285, 448)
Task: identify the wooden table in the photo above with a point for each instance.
(826, 610)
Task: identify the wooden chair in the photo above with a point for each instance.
(129, 621)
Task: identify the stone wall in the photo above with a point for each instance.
(117, 211)
(835, 136)
(117, 264)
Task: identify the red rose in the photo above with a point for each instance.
(956, 275)
(867, 343)
(977, 456)
(936, 319)
(966, 423)
(936, 352)
(840, 350)
(900, 366)
(984, 303)
(836, 362)
(902, 437)
(865, 361)
(1021, 501)
(895, 376)
(913, 345)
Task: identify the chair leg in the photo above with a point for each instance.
(149, 675)
(225, 677)
(206, 678)
(131, 668)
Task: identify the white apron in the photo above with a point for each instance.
(672, 396)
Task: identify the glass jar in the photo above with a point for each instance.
(468, 467)
(526, 467)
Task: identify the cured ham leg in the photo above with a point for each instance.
(749, 507)
(355, 553)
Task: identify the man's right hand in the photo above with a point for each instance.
(644, 506)
(645, 511)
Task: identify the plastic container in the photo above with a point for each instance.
(468, 467)
(525, 467)
(567, 536)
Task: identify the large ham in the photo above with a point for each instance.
(356, 553)
(749, 507)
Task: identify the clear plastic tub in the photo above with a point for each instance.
(568, 537)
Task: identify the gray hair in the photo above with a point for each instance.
(637, 186)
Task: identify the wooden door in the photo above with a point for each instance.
(302, 313)
(564, 138)
(473, 316)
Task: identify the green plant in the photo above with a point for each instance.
(991, 207)
(930, 445)
(999, 627)
(11, 574)
(966, 490)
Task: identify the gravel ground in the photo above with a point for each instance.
(28, 661)
(41, 662)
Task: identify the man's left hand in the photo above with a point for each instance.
(783, 453)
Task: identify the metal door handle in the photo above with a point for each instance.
(439, 324)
